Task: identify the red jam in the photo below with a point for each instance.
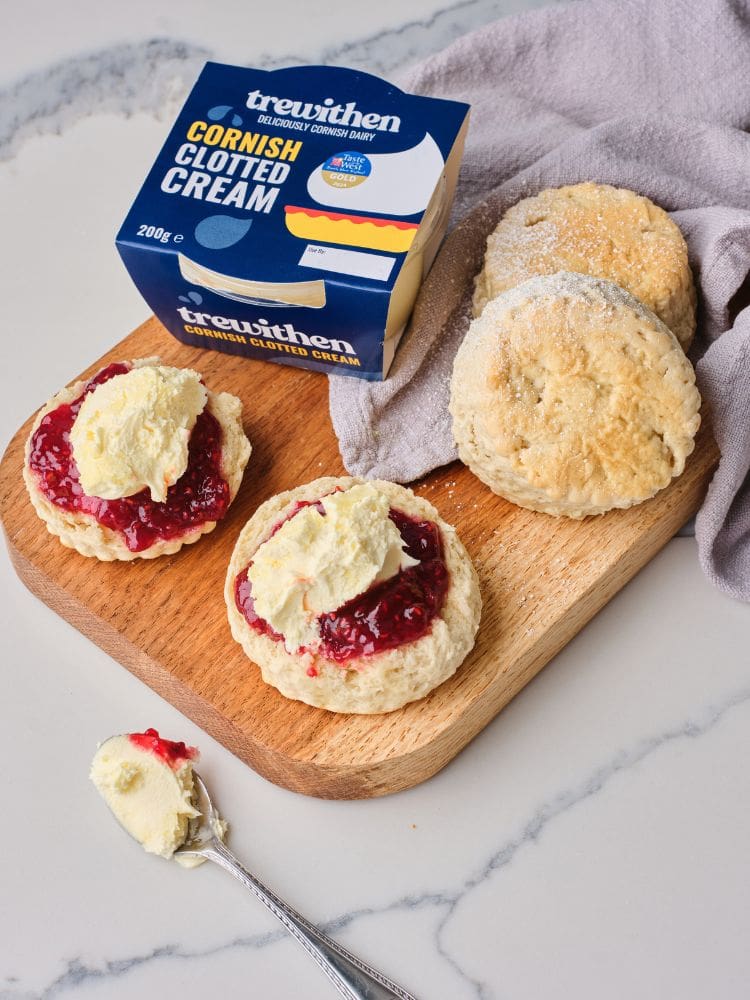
(171, 752)
(387, 615)
(201, 494)
(243, 598)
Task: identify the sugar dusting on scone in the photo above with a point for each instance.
(598, 230)
(570, 397)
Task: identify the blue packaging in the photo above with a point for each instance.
(291, 215)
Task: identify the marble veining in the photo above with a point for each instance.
(153, 75)
(125, 79)
(444, 901)
(684, 686)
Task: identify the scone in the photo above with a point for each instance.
(570, 397)
(136, 462)
(599, 230)
(352, 596)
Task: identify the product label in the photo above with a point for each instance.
(279, 217)
(345, 170)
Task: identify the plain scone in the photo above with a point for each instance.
(382, 681)
(599, 230)
(82, 532)
(570, 397)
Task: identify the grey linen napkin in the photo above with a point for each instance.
(652, 95)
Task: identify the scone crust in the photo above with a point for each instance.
(599, 230)
(83, 532)
(569, 397)
(370, 684)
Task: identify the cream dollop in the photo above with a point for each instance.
(132, 431)
(316, 562)
(150, 799)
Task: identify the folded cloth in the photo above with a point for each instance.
(646, 95)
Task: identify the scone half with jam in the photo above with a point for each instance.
(136, 461)
(352, 596)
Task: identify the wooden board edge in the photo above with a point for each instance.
(374, 778)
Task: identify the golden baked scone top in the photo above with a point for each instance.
(599, 230)
(570, 397)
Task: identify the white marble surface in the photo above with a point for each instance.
(591, 843)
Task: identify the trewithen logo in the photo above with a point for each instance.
(329, 111)
(284, 333)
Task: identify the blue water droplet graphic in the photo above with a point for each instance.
(236, 120)
(191, 297)
(218, 232)
(219, 112)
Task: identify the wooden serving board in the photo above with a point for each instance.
(542, 579)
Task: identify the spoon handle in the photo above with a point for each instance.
(351, 977)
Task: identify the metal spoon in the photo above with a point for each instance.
(351, 977)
